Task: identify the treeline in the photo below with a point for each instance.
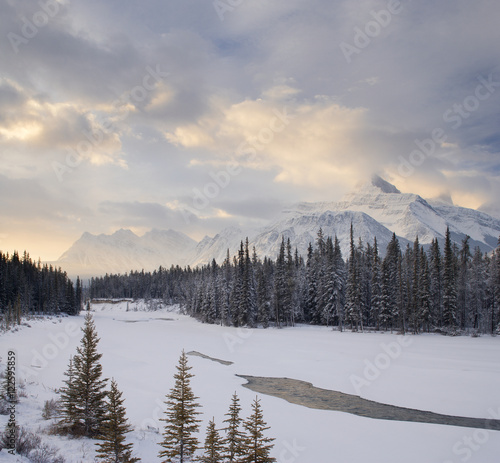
(28, 287)
(409, 290)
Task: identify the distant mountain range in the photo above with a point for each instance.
(376, 209)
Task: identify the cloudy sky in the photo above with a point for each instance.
(199, 114)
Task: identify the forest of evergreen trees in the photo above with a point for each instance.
(28, 287)
(454, 290)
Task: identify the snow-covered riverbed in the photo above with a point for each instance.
(455, 376)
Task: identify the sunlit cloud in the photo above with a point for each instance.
(267, 92)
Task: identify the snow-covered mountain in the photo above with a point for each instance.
(124, 251)
(376, 209)
(301, 227)
(409, 215)
(216, 248)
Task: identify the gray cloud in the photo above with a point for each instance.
(353, 118)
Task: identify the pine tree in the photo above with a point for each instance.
(495, 286)
(69, 400)
(353, 290)
(311, 297)
(376, 286)
(181, 422)
(449, 284)
(478, 290)
(290, 306)
(425, 291)
(436, 287)
(113, 449)
(263, 296)
(214, 448)
(391, 269)
(333, 296)
(463, 281)
(85, 389)
(235, 439)
(280, 285)
(257, 446)
(415, 302)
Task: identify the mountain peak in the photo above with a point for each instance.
(444, 199)
(383, 185)
(124, 233)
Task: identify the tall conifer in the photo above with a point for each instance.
(179, 442)
(85, 389)
(214, 448)
(113, 449)
(235, 439)
(257, 447)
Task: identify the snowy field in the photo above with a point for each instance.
(456, 376)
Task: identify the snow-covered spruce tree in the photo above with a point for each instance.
(436, 277)
(280, 285)
(495, 286)
(311, 289)
(449, 285)
(235, 438)
(113, 449)
(179, 443)
(478, 289)
(425, 291)
(463, 284)
(376, 286)
(214, 448)
(263, 295)
(353, 290)
(390, 278)
(257, 446)
(414, 293)
(85, 389)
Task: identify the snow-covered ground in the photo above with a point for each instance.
(457, 376)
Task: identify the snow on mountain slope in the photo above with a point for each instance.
(216, 247)
(409, 215)
(376, 209)
(302, 228)
(481, 227)
(124, 251)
